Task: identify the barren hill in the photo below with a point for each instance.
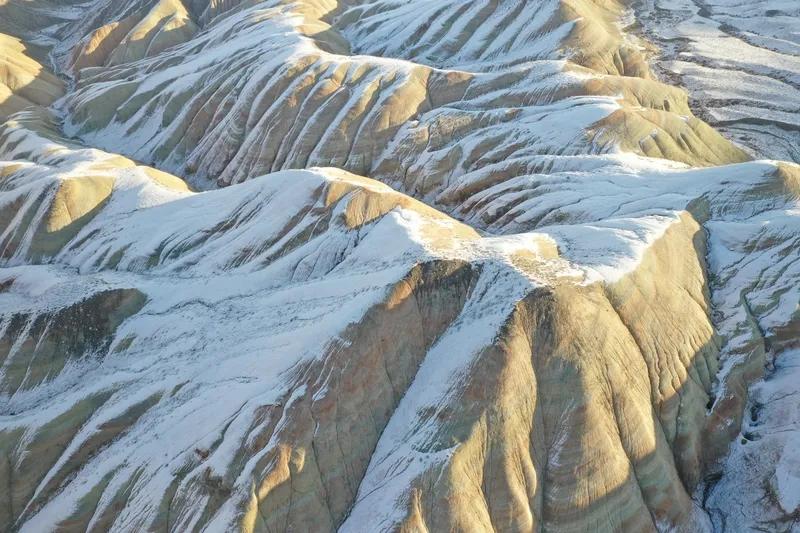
(399, 265)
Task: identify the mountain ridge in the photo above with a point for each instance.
(427, 274)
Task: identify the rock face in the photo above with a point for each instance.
(386, 266)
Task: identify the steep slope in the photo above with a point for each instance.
(757, 486)
(288, 440)
(23, 80)
(534, 313)
(139, 35)
(273, 86)
(297, 259)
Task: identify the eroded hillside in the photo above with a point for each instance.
(380, 265)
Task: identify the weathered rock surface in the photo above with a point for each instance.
(740, 63)
(228, 105)
(442, 266)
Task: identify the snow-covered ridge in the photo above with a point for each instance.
(281, 253)
(264, 87)
(511, 291)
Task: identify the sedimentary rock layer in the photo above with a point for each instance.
(438, 266)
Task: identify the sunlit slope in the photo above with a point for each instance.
(383, 265)
(291, 302)
(23, 81)
(290, 85)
